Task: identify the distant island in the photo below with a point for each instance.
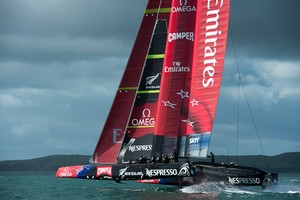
(283, 163)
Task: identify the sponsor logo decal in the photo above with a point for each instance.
(184, 170)
(194, 140)
(65, 172)
(123, 173)
(125, 148)
(78, 170)
(194, 102)
(146, 119)
(183, 94)
(211, 38)
(161, 172)
(190, 123)
(176, 68)
(104, 171)
(149, 181)
(183, 7)
(181, 36)
(118, 135)
(134, 148)
(169, 104)
(195, 143)
(247, 181)
(150, 80)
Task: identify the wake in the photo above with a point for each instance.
(218, 188)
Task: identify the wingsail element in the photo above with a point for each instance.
(191, 76)
(174, 97)
(139, 131)
(112, 135)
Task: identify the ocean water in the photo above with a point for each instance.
(44, 185)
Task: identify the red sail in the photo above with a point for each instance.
(110, 141)
(139, 133)
(192, 75)
(175, 83)
(208, 60)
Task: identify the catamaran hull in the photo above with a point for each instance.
(223, 173)
(234, 174)
(126, 171)
(173, 173)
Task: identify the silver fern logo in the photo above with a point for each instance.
(151, 79)
(122, 172)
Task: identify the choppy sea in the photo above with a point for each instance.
(44, 185)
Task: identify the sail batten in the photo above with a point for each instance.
(155, 56)
(157, 10)
(148, 91)
(127, 88)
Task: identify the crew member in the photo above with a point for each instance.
(166, 159)
(175, 156)
(212, 156)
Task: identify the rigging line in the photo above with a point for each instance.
(157, 14)
(246, 97)
(238, 122)
(238, 95)
(256, 130)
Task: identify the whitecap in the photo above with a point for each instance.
(293, 192)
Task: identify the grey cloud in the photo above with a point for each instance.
(61, 63)
(71, 17)
(266, 29)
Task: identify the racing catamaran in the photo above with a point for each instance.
(164, 109)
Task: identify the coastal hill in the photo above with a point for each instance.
(283, 163)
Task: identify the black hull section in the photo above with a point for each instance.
(142, 171)
(233, 174)
(177, 173)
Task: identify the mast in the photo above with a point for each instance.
(112, 135)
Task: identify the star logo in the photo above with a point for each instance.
(194, 102)
(188, 122)
(183, 94)
(168, 103)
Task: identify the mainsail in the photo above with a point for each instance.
(190, 69)
(112, 135)
(139, 131)
(168, 95)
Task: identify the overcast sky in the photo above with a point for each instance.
(61, 63)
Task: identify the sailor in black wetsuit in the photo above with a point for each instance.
(212, 156)
(175, 156)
